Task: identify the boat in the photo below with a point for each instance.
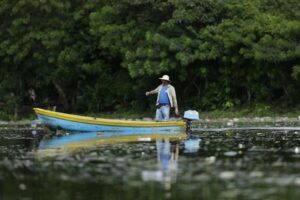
(64, 121)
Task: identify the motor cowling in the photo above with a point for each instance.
(189, 116)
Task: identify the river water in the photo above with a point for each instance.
(209, 164)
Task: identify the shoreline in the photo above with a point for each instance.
(230, 120)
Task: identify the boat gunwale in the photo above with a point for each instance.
(108, 122)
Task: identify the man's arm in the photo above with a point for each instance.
(155, 91)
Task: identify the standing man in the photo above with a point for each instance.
(166, 99)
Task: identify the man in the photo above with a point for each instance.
(31, 94)
(166, 99)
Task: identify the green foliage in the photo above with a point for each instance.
(4, 116)
(103, 55)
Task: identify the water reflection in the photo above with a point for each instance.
(167, 158)
(69, 142)
(191, 145)
(167, 164)
(227, 165)
(167, 149)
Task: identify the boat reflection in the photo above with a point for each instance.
(67, 142)
(167, 148)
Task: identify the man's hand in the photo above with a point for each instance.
(176, 111)
(147, 93)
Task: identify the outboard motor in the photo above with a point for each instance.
(189, 116)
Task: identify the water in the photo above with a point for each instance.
(232, 164)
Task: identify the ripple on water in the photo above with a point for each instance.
(230, 153)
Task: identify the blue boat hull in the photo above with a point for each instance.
(57, 123)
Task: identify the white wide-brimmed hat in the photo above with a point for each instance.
(165, 78)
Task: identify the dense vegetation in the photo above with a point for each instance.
(97, 55)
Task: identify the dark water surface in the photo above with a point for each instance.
(236, 164)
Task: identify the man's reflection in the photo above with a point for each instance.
(167, 164)
(167, 156)
(167, 160)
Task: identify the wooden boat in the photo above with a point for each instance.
(58, 120)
